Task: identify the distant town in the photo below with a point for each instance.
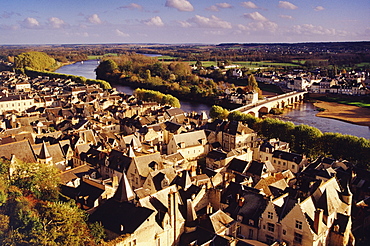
(84, 164)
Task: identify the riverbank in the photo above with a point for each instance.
(348, 113)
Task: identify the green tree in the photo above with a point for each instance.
(217, 112)
(105, 68)
(34, 60)
(305, 140)
(38, 179)
(252, 83)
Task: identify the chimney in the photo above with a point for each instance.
(317, 223)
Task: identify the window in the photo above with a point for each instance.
(298, 224)
(250, 235)
(279, 162)
(238, 230)
(270, 227)
(275, 161)
(270, 215)
(297, 238)
(284, 232)
(293, 166)
(269, 239)
(284, 163)
(267, 158)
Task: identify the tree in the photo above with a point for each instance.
(218, 112)
(252, 83)
(305, 139)
(34, 60)
(105, 67)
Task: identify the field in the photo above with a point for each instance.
(101, 56)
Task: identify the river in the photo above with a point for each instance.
(86, 69)
(303, 113)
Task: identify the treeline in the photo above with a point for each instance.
(32, 213)
(156, 96)
(304, 139)
(34, 60)
(78, 79)
(147, 72)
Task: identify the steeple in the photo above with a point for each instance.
(44, 155)
(130, 152)
(124, 192)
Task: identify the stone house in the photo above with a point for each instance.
(191, 144)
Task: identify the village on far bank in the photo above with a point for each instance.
(156, 175)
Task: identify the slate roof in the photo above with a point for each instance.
(237, 165)
(172, 127)
(119, 161)
(22, 150)
(341, 222)
(288, 205)
(143, 162)
(74, 173)
(256, 168)
(253, 206)
(120, 217)
(217, 155)
(287, 156)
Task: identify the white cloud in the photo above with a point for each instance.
(309, 29)
(121, 34)
(249, 5)
(259, 26)
(184, 24)
(9, 27)
(155, 21)
(224, 5)
(56, 23)
(212, 22)
(219, 6)
(319, 8)
(180, 5)
(286, 5)
(289, 17)
(256, 16)
(94, 19)
(132, 6)
(213, 8)
(7, 15)
(30, 22)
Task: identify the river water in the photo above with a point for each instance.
(303, 113)
(86, 69)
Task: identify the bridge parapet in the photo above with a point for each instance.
(271, 102)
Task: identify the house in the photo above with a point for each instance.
(235, 135)
(213, 229)
(18, 103)
(165, 203)
(245, 205)
(282, 160)
(191, 144)
(308, 221)
(141, 166)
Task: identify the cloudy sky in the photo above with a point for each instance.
(182, 21)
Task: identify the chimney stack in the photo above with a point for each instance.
(317, 223)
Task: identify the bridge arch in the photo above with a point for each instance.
(262, 111)
(252, 113)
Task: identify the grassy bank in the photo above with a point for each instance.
(358, 101)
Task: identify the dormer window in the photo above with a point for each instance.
(239, 217)
(270, 215)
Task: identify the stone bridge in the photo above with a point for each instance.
(264, 106)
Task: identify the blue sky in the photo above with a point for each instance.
(182, 21)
